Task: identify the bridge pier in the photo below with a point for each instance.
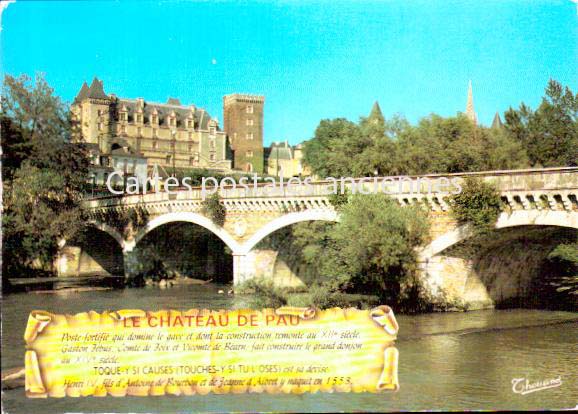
(243, 268)
(128, 258)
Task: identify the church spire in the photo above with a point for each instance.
(470, 113)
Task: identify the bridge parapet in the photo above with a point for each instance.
(551, 188)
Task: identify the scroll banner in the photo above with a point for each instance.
(139, 353)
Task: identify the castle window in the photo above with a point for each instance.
(191, 136)
(212, 156)
(249, 135)
(100, 126)
(212, 144)
(189, 123)
(169, 159)
(212, 130)
(123, 129)
(154, 119)
(172, 144)
(155, 144)
(139, 131)
(249, 122)
(123, 116)
(249, 153)
(250, 109)
(192, 161)
(190, 146)
(172, 121)
(155, 133)
(139, 118)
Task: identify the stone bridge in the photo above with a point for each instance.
(533, 197)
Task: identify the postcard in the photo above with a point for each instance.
(289, 206)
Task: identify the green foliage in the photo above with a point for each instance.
(565, 252)
(213, 209)
(145, 263)
(382, 252)
(479, 204)
(366, 258)
(565, 256)
(124, 220)
(44, 175)
(549, 134)
(545, 137)
(339, 199)
(263, 294)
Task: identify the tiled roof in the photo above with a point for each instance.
(82, 94)
(200, 116)
(280, 151)
(96, 90)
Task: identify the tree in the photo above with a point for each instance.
(213, 209)
(394, 147)
(44, 174)
(374, 246)
(549, 134)
(478, 204)
(333, 147)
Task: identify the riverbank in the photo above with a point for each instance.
(47, 285)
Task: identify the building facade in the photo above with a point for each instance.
(282, 158)
(170, 135)
(243, 118)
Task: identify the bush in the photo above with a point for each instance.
(479, 204)
(375, 246)
(339, 199)
(213, 209)
(263, 294)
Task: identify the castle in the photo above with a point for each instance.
(134, 135)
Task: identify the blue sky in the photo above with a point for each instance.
(312, 60)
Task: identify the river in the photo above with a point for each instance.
(448, 361)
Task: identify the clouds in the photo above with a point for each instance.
(3, 6)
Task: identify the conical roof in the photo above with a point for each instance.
(497, 122)
(375, 115)
(82, 94)
(96, 90)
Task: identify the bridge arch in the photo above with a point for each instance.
(287, 220)
(111, 231)
(516, 218)
(189, 218)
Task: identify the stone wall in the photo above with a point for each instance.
(498, 269)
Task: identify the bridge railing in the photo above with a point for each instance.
(544, 179)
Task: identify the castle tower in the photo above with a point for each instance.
(243, 123)
(91, 112)
(470, 113)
